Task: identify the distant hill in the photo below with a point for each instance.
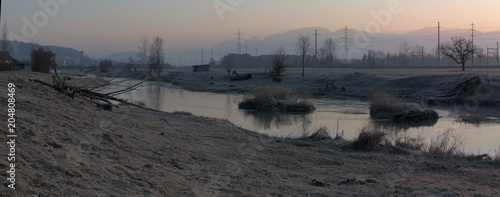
(64, 56)
(121, 56)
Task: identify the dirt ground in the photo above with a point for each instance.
(70, 147)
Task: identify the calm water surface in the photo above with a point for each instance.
(479, 127)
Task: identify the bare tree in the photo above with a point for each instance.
(327, 52)
(143, 52)
(156, 57)
(459, 50)
(104, 65)
(303, 45)
(278, 61)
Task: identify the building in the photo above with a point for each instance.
(201, 68)
(7, 62)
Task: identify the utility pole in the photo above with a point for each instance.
(246, 48)
(422, 56)
(487, 56)
(201, 57)
(179, 60)
(472, 58)
(439, 27)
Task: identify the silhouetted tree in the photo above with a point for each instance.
(327, 52)
(156, 57)
(303, 45)
(104, 65)
(143, 52)
(42, 60)
(278, 61)
(459, 50)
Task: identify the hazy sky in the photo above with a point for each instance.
(101, 27)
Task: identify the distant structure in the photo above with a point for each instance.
(7, 62)
(201, 68)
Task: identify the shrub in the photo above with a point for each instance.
(386, 102)
(42, 60)
(278, 62)
(368, 139)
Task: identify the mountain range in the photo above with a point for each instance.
(358, 43)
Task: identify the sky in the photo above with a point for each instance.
(102, 27)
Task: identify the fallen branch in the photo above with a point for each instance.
(87, 94)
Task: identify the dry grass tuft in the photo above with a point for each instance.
(369, 139)
(264, 94)
(276, 98)
(386, 102)
(406, 141)
(496, 158)
(446, 143)
(321, 134)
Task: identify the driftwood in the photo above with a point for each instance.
(87, 94)
(237, 76)
(462, 88)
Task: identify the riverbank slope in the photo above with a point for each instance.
(70, 147)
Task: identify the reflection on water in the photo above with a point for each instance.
(480, 126)
(278, 120)
(403, 126)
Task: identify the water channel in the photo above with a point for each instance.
(479, 127)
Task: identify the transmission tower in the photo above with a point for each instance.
(239, 41)
(346, 39)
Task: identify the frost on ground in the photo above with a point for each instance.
(73, 148)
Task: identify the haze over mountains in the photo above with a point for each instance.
(357, 43)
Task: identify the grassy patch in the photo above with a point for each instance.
(386, 102)
(276, 98)
(446, 143)
(369, 138)
(265, 94)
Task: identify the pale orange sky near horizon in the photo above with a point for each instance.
(103, 27)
